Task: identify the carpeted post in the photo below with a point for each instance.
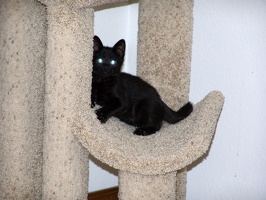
(22, 63)
(147, 187)
(164, 44)
(181, 184)
(70, 32)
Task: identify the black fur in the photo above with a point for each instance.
(127, 97)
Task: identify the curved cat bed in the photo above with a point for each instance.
(170, 149)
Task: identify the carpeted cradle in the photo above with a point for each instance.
(46, 53)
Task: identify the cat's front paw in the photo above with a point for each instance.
(101, 115)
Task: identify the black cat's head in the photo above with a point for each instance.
(107, 61)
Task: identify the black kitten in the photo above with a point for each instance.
(127, 97)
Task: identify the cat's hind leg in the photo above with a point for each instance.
(148, 117)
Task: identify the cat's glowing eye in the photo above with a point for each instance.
(100, 60)
(113, 62)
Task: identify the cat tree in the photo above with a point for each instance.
(45, 116)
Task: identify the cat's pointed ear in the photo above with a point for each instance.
(120, 47)
(97, 44)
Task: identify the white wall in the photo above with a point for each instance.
(229, 54)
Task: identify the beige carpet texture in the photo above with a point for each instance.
(22, 66)
(47, 128)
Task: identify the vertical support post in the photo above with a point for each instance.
(165, 41)
(147, 187)
(181, 184)
(68, 56)
(22, 64)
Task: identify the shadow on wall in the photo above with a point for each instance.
(103, 166)
(115, 5)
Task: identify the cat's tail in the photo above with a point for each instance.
(172, 117)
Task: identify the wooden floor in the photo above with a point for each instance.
(107, 194)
